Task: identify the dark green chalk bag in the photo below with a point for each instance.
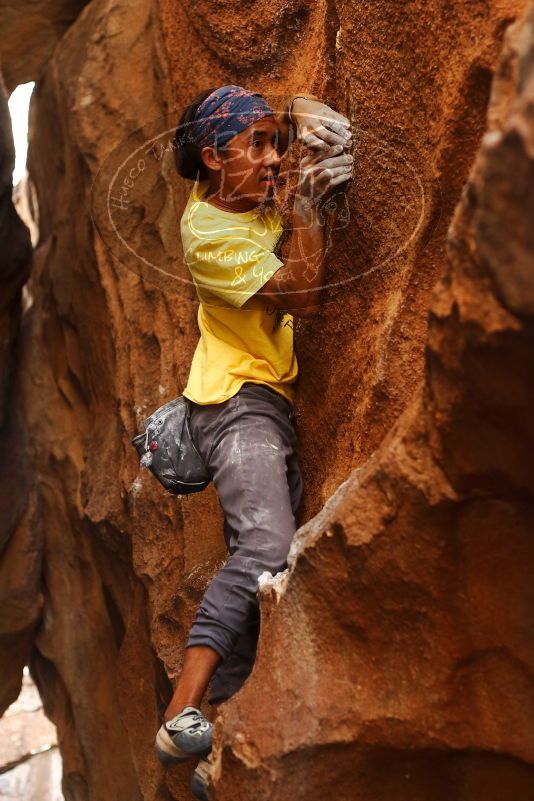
(168, 450)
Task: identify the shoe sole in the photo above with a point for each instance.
(166, 759)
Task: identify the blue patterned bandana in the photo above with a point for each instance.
(226, 112)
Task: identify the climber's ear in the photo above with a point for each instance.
(211, 158)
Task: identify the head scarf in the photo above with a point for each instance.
(226, 112)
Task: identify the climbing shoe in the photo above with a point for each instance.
(185, 735)
(199, 780)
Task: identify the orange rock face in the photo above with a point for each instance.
(396, 653)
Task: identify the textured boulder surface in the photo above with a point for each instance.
(30, 30)
(396, 653)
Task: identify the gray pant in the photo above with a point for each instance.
(248, 444)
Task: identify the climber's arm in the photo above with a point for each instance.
(296, 287)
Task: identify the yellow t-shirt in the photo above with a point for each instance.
(242, 338)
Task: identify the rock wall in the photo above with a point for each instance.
(395, 660)
(30, 30)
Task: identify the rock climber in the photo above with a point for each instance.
(230, 142)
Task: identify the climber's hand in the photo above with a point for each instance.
(318, 126)
(321, 172)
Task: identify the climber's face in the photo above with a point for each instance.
(245, 169)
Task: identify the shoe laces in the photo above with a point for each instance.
(200, 726)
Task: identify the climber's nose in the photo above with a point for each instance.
(272, 157)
